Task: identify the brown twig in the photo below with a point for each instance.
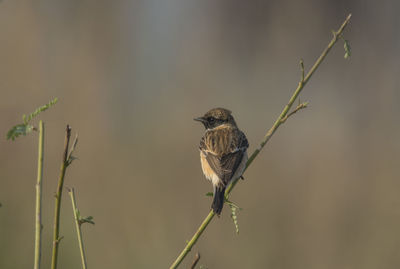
(56, 232)
(196, 260)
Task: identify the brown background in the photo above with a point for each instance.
(130, 77)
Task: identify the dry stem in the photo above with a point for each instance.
(56, 232)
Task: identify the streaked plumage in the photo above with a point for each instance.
(223, 152)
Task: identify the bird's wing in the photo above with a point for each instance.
(224, 150)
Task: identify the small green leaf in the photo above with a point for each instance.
(88, 219)
(17, 130)
(39, 110)
(209, 194)
(234, 211)
(25, 128)
(347, 49)
(234, 217)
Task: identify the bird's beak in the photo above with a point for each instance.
(201, 119)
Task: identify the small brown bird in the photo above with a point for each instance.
(223, 152)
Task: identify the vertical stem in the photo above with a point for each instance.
(56, 233)
(78, 228)
(38, 217)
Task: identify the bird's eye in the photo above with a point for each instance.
(211, 119)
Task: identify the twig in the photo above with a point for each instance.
(300, 106)
(78, 227)
(70, 158)
(196, 260)
(38, 221)
(296, 93)
(266, 138)
(56, 233)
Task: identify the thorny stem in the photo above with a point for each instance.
(267, 137)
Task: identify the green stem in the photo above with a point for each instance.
(78, 228)
(193, 241)
(56, 232)
(266, 138)
(38, 221)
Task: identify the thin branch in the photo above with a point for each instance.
(78, 228)
(265, 140)
(56, 232)
(296, 93)
(300, 106)
(38, 221)
(196, 260)
(70, 157)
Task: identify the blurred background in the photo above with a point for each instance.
(131, 76)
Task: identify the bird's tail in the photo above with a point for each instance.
(218, 201)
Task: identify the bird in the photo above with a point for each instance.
(223, 152)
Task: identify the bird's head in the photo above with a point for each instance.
(216, 117)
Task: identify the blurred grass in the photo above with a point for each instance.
(324, 193)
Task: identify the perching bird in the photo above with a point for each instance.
(223, 152)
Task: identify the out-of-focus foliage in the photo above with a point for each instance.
(25, 128)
